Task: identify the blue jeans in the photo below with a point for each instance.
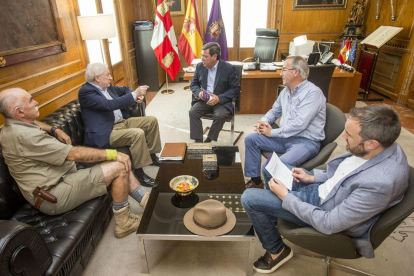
(264, 208)
(295, 150)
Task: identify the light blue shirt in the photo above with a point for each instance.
(117, 113)
(303, 113)
(211, 78)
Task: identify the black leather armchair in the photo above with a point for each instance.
(32, 243)
(267, 41)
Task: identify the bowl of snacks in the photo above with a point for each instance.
(184, 184)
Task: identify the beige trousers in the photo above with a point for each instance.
(141, 135)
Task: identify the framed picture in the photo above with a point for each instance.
(318, 4)
(177, 7)
(30, 30)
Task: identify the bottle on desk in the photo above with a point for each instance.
(258, 64)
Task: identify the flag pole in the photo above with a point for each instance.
(167, 91)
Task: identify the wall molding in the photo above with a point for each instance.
(51, 70)
(44, 88)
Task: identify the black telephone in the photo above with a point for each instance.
(326, 58)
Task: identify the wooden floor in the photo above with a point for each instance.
(406, 114)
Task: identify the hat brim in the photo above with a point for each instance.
(194, 228)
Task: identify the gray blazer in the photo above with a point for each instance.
(357, 201)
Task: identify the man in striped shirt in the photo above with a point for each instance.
(302, 107)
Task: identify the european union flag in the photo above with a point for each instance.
(352, 54)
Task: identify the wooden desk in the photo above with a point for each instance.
(259, 90)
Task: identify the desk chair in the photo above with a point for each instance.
(335, 123)
(265, 48)
(236, 105)
(320, 76)
(340, 245)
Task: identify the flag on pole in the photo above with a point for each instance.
(352, 54)
(215, 31)
(342, 52)
(348, 49)
(190, 42)
(164, 42)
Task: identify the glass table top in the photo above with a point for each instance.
(165, 208)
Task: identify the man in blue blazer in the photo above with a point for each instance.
(108, 124)
(348, 196)
(220, 84)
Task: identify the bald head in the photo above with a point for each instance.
(17, 103)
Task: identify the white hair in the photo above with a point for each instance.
(8, 103)
(94, 70)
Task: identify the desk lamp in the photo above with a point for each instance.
(99, 27)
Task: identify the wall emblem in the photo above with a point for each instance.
(214, 30)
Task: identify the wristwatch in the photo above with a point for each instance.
(52, 130)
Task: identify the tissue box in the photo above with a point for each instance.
(209, 162)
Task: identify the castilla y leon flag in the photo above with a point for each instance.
(215, 31)
(164, 41)
(190, 42)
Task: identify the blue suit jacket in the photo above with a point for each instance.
(356, 202)
(97, 112)
(226, 84)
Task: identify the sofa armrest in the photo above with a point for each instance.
(22, 249)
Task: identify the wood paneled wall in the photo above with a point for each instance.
(55, 80)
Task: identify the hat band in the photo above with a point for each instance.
(207, 227)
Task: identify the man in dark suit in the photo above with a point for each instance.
(220, 83)
(108, 124)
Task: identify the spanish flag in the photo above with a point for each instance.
(342, 52)
(190, 42)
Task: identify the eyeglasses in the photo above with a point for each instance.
(286, 69)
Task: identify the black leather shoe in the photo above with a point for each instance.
(266, 264)
(147, 181)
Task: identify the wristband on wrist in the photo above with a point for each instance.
(111, 155)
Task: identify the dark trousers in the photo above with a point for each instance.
(220, 115)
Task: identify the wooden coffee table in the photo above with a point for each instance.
(163, 216)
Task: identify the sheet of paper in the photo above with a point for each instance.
(279, 171)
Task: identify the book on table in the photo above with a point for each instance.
(173, 151)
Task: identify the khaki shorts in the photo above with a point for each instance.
(75, 189)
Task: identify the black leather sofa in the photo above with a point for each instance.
(32, 243)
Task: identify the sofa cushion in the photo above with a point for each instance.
(63, 233)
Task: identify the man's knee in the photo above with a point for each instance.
(246, 198)
(193, 113)
(152, 119)
(249, 139)
(113, 170)
(137, 133)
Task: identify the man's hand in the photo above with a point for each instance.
(141, 90)
(265, 128)
(299, 175)
(278, 188)
(124, 158)
(214, 99)
(140, 99)
(257, 126)
(200, 95)
(62, 136)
